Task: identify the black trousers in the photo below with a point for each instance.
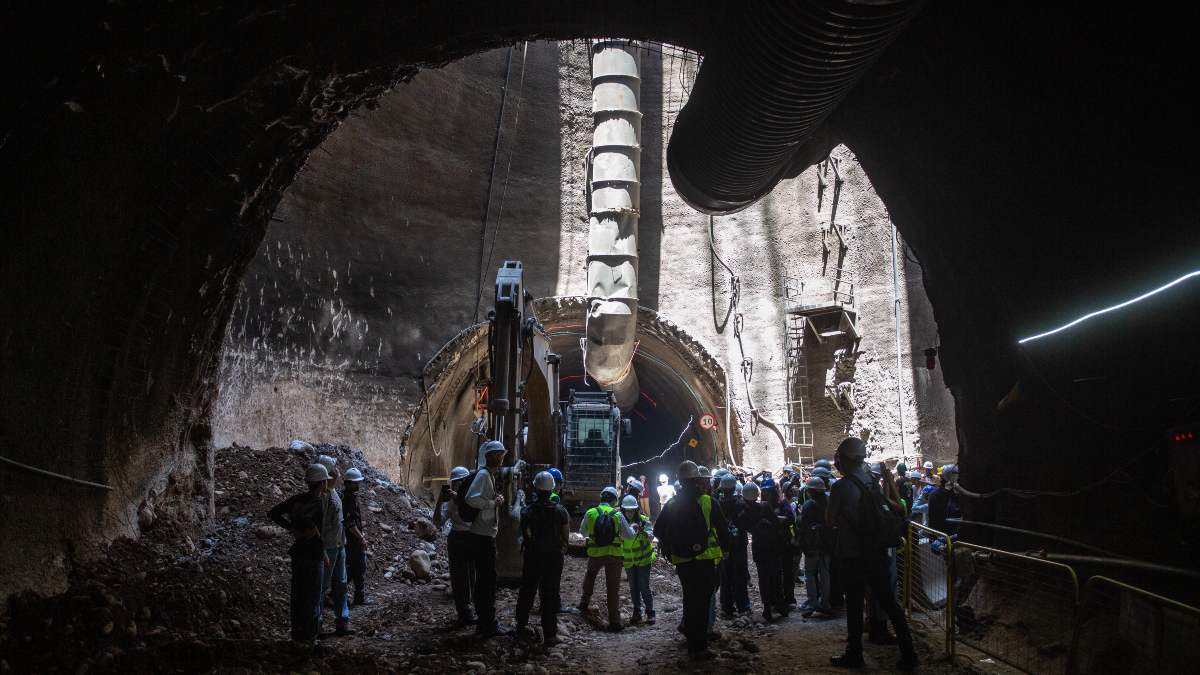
(306, 595)
(787, 570)
(698, 579)
(462, 571)
(541, 574)
(770, 580)
(735, 581)
(871, 571)
(482, 554)
(356, 569)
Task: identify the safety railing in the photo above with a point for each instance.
(924, 569)
(1125, 629)
(1018, 609)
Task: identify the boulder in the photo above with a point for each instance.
(419, 562)
(301, 448)
(425, 529)
(146, 517)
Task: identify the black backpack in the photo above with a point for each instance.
(466, 512)
(689, 532)
(604, 530)
(879, 526)
(540, 527)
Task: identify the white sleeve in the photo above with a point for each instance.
(481, 495)
(583, 526)
(626, 530)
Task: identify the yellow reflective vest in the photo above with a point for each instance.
(637, 549)
(713, 551)
(613, 549)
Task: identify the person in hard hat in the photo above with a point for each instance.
(604, 527)
(481, 538)
(927, 468)
(862, 564)
(333, 534)
(666, 491)
(943, 502)
(818, 544)
(356, 538)
(458, 541)
(558, 481)
(734, 568)
(904, 487)
(693, 531)
(303, 515)
(639, 554)
(545, 527)
(709, 480)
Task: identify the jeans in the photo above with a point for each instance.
(462, 572)
(481, 551)
(612, 566)
(541, 574)
(356, 570)
(306, 599)
(335, 579)
(857, 575)
(735, 582)
(639, 589)
(698, 578)
(816, 581)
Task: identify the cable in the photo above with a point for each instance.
(508, 165)
(682, 432)
(51, 474)
(487, 206)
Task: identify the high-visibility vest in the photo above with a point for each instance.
(637, 549)
(613, 549)
(713, 551)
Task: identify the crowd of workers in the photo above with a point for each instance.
(835, 525)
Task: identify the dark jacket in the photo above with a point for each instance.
(943, 504)
(732, 507)
(814, 531)
(843, 514)
(299, 512)
(762, 522)
(672, 517)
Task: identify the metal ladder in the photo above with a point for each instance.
(799, 436)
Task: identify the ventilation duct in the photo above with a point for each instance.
(613, 202)
(755, 113)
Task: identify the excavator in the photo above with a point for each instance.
(580, 435)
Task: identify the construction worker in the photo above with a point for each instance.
(639, 554)
(481, 538)
(665, 491)
(815, 534)
(692, 529)
(943, 502)
(927, 468)
(769, 533)
(303, 514)
(734, 568)
(861, 563)
(356, 539)
(603, 526)
(558, 481)
(545, 526)
(462, 568)
(333, 534)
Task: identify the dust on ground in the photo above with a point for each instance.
(181, 601)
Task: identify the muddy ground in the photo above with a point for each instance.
(182, 601)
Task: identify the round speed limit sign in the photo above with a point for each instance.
(708, 422)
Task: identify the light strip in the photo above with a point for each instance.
(1096, 313)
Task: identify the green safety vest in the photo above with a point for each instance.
(638, 550)
(613, 549)
(713, 552)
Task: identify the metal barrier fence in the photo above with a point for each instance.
(924, 568)
(1125, 629)
(1015, 608)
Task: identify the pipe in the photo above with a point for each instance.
(56, 476)
(1035, 533)
(759, 103)
(899, 356)
(1124, 562)
(614, 199)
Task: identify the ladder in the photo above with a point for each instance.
(799, 436)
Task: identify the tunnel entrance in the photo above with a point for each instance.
(680, 412)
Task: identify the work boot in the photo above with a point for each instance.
(360, 600)
(495, 630)
(549, 641)
(467, 619)
(650, 618)
(343, 630)
(766, 615)
(847, 661)
(635, 619)
(525, 633)
(615, 627)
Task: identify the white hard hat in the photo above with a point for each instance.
(610, 491)
(662, 478)
(328, 462)
(353, 475)
(493, 446)
(543, 481)
(459, 473)
(629, 480)
(815, 483)
(927, 465)
(688, 469)
(630, 502)
(316, 473)
(750, 492)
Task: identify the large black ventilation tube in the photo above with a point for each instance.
(778, 71)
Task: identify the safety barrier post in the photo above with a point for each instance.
(908, 557)
(1122, 628)
(950, 597)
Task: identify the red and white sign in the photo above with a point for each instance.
(708, 422)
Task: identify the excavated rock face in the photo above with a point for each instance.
(1032, 169)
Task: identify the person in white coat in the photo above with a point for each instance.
(481, 538)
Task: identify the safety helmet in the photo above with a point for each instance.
(543, 481)
(927, 465)
(703, 472)
(630, 502)
(629, 480)
(493, 446)
(823, 464)
(950, 470)
(852, 449)
(316, 473)
(353, 475)
(636, 485)
(459, 473)
(914, 475)
(815, 483)
(688, 469)
(556, 474)
(328, 462)
(609, 491)
(750, 492)
(822, 471)
(662, 478)
(901, 469)
(767, 484)
(728, 482)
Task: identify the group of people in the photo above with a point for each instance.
(828, 524)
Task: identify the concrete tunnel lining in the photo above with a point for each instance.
(680, 380)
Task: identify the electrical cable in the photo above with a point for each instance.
(682, 433)
(52, 474)
(508, 165)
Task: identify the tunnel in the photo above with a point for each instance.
(1037, 164)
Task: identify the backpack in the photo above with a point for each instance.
(466, 512)
(540, 526)
(604, 530)
(879, 526)
(689, 531)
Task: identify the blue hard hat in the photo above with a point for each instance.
(556, 473)
(767, 484)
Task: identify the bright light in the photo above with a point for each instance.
(1127, 303)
